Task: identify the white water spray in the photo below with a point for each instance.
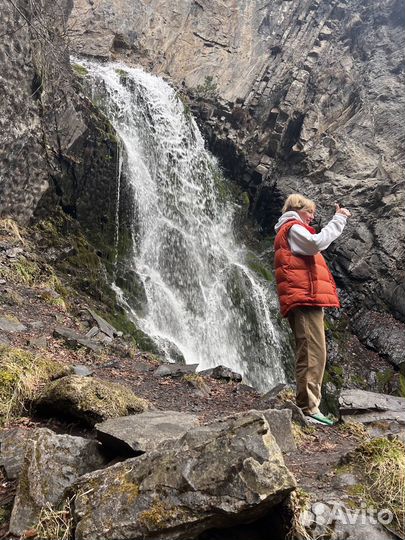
(202, 298)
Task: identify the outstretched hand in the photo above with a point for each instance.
(343, 211)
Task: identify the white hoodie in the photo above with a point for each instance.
(302, 242)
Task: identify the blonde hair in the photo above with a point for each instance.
(296, 202)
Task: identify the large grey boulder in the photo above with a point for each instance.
(52, 464)
(216, 475)
(354, 400)
(89, 400)
(382, 414)
(144, 432)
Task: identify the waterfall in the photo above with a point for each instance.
(203, 301)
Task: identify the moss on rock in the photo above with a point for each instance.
(89, 400)
(259, 268)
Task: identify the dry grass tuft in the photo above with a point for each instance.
(300, 502)
(302, 434)
(287, 394)
(21, 375)
(356, 429)
(382, 463)
(55, 524)
(11, 227)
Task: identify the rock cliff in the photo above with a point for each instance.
(293, 96)
(57, 149)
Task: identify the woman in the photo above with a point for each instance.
(305, 286)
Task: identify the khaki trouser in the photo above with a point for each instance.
(310, 355)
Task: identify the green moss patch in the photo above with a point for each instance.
(121, 322)
(22, 374)
(21, 271)
(80, 70)
(78, 259)
(259, 268)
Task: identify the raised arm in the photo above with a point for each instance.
(302, 242)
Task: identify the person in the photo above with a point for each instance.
(305, 287)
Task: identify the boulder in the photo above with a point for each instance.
(74, 339)
(216, 475)
(360, 401)
(296, 413)
(52, 464)
(279, 398)
(222, 372)
(174, 370)
(39, 342)
(11, 325)
(144, 432)
(82, 370)
(382, 414)
(105, 327)
(89, 400)
(13, 253)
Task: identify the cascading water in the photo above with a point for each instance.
(202, 298)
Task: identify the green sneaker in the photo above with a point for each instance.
(319, 418)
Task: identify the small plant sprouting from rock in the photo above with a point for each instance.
(208, 89)
(121, 73)
(80, 70)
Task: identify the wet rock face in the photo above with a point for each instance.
(324, 121)
(293, 96)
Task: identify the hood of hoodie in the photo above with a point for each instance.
(287, 216)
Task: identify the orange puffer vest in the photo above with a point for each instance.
(302, 280)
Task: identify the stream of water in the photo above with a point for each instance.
(203, 301)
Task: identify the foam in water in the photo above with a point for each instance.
(202, 299)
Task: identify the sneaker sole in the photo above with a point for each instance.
(312, 420)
